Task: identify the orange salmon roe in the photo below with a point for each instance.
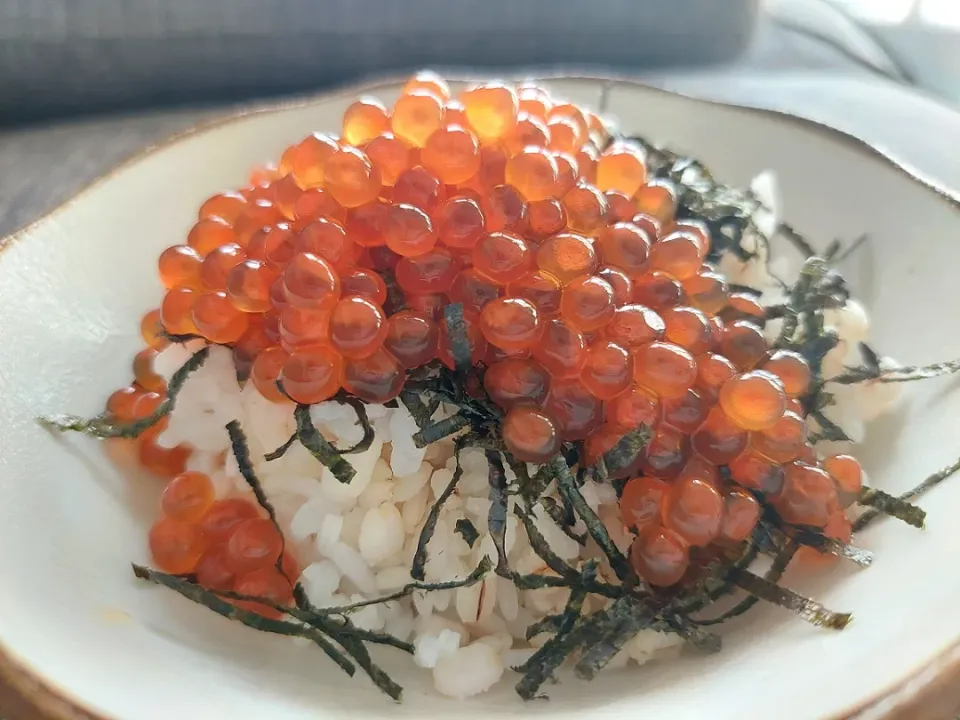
(847, 474)
(641, 501)
(312, 374)
(694, 510)
(660, 556)
(459, 222)
(376, 378)
(665, 369)
(608, 370)
(754, 400)
(567, 256)
(217, 319)
(187, 497)
(792, 370)
(357, 327)
(180, 266)
(783, 441)
(740, 515)
(502, 257)
(588, 303)
(491, 110)
(586, 209)
(452, 154)
(364, 120)
(808, 497)
(530, 435)
(575, 410)
(516, 382)
(416, 116)
(658, 198)
(533, 172)
(175, 546)
(589, 308)
(510, 323)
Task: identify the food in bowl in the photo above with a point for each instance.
(485, 382)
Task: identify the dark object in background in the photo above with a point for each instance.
(70, 56)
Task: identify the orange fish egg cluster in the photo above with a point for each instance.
(589, 302)
(227, 544)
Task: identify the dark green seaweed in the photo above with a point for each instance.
(928, 483)
(811, 611)
(467, 530)
(320, 447)
(568, 490)
(892, 506)
(430, 524)
(103, 426)
(457, 337)
(440, 429)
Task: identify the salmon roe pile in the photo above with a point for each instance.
(589, 303)
(229, 544)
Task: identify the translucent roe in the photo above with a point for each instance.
(452, 154)
(416, 116)
(510, 323)
(187, 497)
(364, 120)
(754, 400)
(491, 109)
(660, 556)
(641, 501)
(357, 327)
(516, 381)
(530, 435)
(607, 370)
(665, 369)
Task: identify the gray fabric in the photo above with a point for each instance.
(42, 166)
(68, 55)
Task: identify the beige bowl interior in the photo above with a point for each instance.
(75, 284)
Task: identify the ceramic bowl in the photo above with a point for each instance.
(81, 638)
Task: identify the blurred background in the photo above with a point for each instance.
(86, 83)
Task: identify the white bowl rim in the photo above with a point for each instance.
(932, 687)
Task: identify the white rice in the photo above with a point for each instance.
(356, 541)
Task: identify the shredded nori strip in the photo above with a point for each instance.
(320, 447)
(809, 610)
(623, 454)
(693, 634)
(497, 514)
(238, 444)
(415, 406)
(440, 429)
(892, 506)
(210, 600)
(566, 485)
(103, 426)
(825, 544)
(540, 666)
(930, 482)
(467, 530)
(779, 566)
(622, 620)
(866, 373)
(457, 337)
(282, 450)
(563, 517)
(369, 433)
(430, 524)
(473, 578)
